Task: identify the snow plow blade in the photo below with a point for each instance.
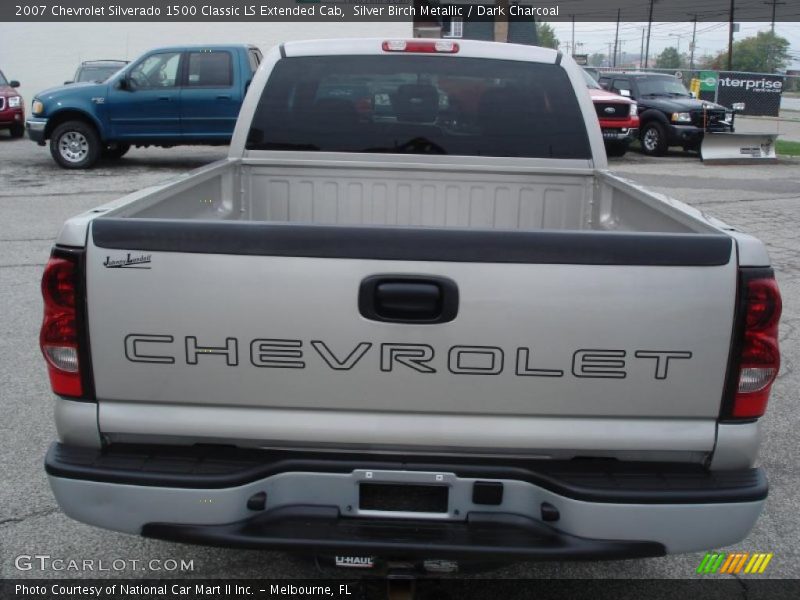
(738, 148)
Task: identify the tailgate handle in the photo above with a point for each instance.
(408, 299)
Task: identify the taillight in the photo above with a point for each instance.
(59, 337)
(759, 358)
(435, 46)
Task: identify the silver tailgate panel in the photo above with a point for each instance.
(553, 310)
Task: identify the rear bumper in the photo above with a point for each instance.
(311, 503)
(323, 530)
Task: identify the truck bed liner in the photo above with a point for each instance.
(414, 194)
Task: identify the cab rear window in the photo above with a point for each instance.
(416, 104)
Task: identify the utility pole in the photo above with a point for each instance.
(609, 53)
(691, 48)
(649, 25)
(573, 34)
(774, 4)
(730, 36)
(641, 48)
(616, 38)
(680, 37)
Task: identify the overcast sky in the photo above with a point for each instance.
(42, 54)
(711, 37)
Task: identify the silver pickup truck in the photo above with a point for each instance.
(411, 316)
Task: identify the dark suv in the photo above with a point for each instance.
(668, 114)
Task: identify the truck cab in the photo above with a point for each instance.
(168, 97)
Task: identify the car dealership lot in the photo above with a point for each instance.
(35, 198)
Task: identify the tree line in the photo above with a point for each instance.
(765, 52)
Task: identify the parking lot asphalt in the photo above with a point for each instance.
(36, 197)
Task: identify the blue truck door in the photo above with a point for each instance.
(211, 96)
(147, 106)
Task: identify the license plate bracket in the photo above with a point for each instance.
(403, 497)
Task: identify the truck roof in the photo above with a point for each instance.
(463, 48)
(190, 47)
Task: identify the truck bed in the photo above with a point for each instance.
(379, 192)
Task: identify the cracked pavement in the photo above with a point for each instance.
(36, 197)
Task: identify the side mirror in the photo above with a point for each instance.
(692, 95)
(125, 84)
(626, 93)
(14, 83)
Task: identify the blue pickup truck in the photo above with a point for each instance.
(168, 97)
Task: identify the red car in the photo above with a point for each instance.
(617, 115)
(12, 108)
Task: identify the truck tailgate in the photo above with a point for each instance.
(552, 329)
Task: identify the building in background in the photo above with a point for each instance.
(514, 29)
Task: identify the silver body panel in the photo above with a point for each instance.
(737, 446)
(680, 527)
(76, 423)
(623, 310)
(347, 429)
